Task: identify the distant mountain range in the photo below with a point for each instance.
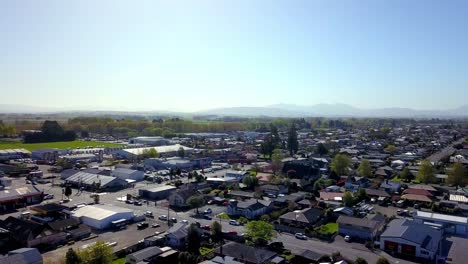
(333, 110)
(276, 110)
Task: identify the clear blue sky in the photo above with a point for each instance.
(191, 55)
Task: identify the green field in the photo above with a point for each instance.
(59, 145)
(328, 229)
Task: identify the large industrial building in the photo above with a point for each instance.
(101, 216)
(157, 193)
(163, 151)
(90, 180)
(149, 141)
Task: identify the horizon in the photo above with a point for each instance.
(189, 57)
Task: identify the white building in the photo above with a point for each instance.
(100, 216)
(164, 151)
(128, 174)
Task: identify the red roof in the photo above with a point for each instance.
(418, 192)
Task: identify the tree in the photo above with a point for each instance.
(457, 175)
(360, 260)
(365, 169)
(276, 161)
(390, 149)
(99, 253)
(153, 153)
(348, 199)
(181, 152)
(361, 195)
(187, 258)
(193, 239)
(340, 164)
(250, 181)
(321, 149)
(265, 218)
(405, 175)
(292, 143)
(382, 260)
(259, 231)
(72, 257)
(216, 231)
(68, 192)
(426, 172)
(195, 201)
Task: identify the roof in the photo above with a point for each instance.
(457, 252)
(423, 186)
(442, 217)
(375, 192)
(310, 255)
(100, 211)
(147, 253)
(22, 256)
(221, 260)
(21, 228)
(89, 178)
(179, 230)
(333, 196)
(308, 216)
(417, 191)
(48, 208)
(61, 224)
(425, 236)
(160, 188)
(416, 197)
(18, 193)
(159, 149)
(244, 253)
(361, 222)
(253, 204)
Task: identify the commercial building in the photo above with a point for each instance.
(170, 163)
(410, 238)
(101, 216)
(90, 180)
(149, 141)
(10, 154)
(11, 198)
(451, 224)
(157, 193)
(163, 151)
(128, 174)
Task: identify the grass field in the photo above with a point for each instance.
(119, 261)
(328, 229)
(59, 145)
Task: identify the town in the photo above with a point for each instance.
(227, 191)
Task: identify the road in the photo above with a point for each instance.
(348, 250)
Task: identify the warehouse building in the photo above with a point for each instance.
(150, 141)
(157, 193)
(163, 151)
(11, 154)
(450, 223)
(101, 216)
(128, 174)
(90, 180)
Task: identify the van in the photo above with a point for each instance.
(25, 215)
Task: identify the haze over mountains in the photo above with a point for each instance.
(276, 110)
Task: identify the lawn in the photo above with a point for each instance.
(205, 251)
(328, 229)
(119, 261)
(223, 216)
(60, 145)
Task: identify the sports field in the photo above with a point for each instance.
(59, 145)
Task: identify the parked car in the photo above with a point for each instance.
(174, 220)
(234, 223)
(208, 211)
(137, 203)
(48, 196)
(185, 221)
(207, 217)
(300, 236)
(155, 225)
(232, 233)
(206, 227)
(163, 217)
(142, 225)
(149, 214)
(129, 201)
(347, 238)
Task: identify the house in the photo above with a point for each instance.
(410, 238)
(22, 256)
(305, 168)
(274, 190)
(360, 228)
(177, 235)
(374, 193)
(247, 254)
(249, 209)
(127, 174)
(353, 184)
(449, 223)
(213, 181)
(307, 256)
(390, 186)
(179, 199)
(152, 255)
(239, 175)
(31, 234)
(331, 196)
(302, 218)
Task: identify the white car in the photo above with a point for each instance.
(300, 236)
(163, 217)
(347, 238)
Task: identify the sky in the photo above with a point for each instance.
(194, 55)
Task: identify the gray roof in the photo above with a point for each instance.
(22, 256)
(17, 193)
(179, 230)
(253, 204)
(427, 237)
(89, 178)
(244, 253)
(361, 222)
(147, 253)
(309, 215)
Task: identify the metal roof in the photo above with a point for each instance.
(99, 212)
(89, 178)
(442, 217)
